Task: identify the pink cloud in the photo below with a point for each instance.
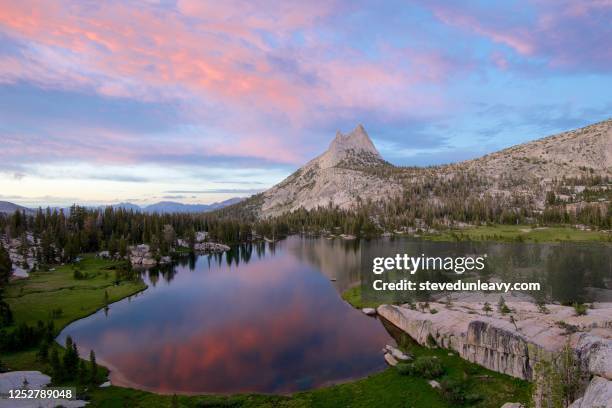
(238, 57)
(211, 50)
(566, 34)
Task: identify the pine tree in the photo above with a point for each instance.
(71, 359)
(6, 266)
(82, 372)
(56, 367)
(43, 351)
(93, 368)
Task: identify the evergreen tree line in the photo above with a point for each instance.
(25, 337)
(67, 367)
(61, 237)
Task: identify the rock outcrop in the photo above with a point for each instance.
(597, 395)
(22, 253)
(211, 247)
(512, 347)
(397, 354)
(201, 245)
(370, 311)
(142, 255)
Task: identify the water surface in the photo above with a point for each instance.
(261, 318)
(269, 318)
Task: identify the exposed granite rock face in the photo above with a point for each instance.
(596, 353)
(597, 395)
(142, 255)
(22, 254)
(352, 170)
(487, 342)
(396, 353)
(340, 175)
(392, 361)
(211, 247)
(497, 343)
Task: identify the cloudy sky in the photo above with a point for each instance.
(198, 101)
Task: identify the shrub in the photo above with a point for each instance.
(542, 307)
(431, 342)
(455, 393)
(487, 308)
(580, 308)
(426, 367)
(502, 307)
(569, 328)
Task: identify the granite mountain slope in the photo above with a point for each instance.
(339, 176)
(351, 172)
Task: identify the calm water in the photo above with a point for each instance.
(260, 318)
(269, 318)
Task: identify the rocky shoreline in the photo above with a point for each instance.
(143, 255)
(515, 345)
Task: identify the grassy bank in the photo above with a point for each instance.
(524, 233)
(57, 296)
(386, 389)
(353, 297)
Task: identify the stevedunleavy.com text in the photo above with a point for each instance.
(407, 285)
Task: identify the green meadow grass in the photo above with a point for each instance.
(37, 297)
(524, 233)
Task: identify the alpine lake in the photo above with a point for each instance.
(269, 318)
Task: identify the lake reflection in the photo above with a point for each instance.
(261, 318)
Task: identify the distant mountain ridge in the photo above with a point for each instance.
(161, 207)
(9, 208)
(351, 172)
(174, 207)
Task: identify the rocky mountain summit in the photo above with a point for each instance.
(351, 150)
(339, 176)
(569, 169)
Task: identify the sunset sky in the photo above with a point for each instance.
(199, 101)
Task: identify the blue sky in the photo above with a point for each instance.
(133, 101)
